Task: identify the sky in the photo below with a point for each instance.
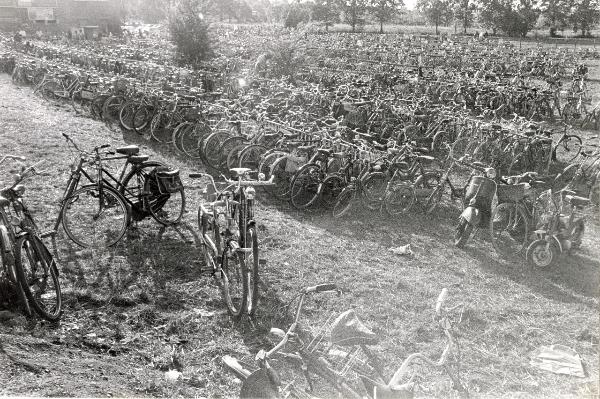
(410, 4)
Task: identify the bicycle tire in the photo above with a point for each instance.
(399, 199)
(141, 120)
(208, 227)
(373, 192)
(112, 107)
(331, 188)
(80, 105)
(126, 114)
(233, 157)
(159, 204)
(509, 229)
(344, 202)
(7, 259)
(251, 156)
(225, 151)
(567, 149)
(305, 186)
(283, 177)
(435, 198)
(252, 266)
(210, 147)
(47, 303)
(233, 268)
(87, 212)
(191, 138)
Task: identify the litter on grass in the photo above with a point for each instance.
(403, 250)
(558, 359)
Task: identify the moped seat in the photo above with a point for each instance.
(348, 330)
(577, 201)
(129, 150)
(137, 159)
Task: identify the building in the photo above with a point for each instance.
(62, 15)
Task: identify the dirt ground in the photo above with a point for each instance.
(147, 307)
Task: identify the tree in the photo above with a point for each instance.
(326, 11)
(490, 14)
(555, 14)
(438, 12)
(586, 15)
(513, 17)
(354, 11)
(189, 32)
(463, 11)
(385, 10)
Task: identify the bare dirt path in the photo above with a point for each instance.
(146, 307)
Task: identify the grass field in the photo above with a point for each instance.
(146, 307)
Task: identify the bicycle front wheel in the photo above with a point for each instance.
(38, 276)
(94, 218)
(234, 276)
(252, 270)
(509, 229)
(305, 186)
(399, 199)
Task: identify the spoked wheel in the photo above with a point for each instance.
(210, 147)
(435, 198)
(373, 193)
(462, 233)
(305, 186)
(126, 114)
(344, 202)
(38, 276)
(111, 108)
(509, 229)
(8, 263)
(283, 176)
(252, 264)
(234, 276)
(95, 219)
(251, 156)
(567, 149)
(191, 137)
(542, 254)
(399, 199)
(211, 241)
(331, 188)
(165, 207)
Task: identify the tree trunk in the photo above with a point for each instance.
(381, 26)
(436, 27)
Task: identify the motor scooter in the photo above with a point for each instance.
(561, 232)
(479, 194)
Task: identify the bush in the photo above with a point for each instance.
(296, 14)
(189, 33)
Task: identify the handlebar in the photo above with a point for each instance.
(253, 183)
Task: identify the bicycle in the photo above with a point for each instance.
(341, 362)
(230, 240)
(107, 204)
(34, 267)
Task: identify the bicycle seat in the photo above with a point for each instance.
(4, 202)
(348, 330)
(129, 150)
(240, 171)
(577, 201)
(426, 158)
(137, 159)
(306, 148)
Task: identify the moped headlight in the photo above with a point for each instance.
(250, 193)
(490, 173)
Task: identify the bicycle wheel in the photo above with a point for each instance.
(210, 147)
(305, 186)
(252, 270)
(229, 151)
(211, 248)
(126, 114)
(165, 207)
(399, 199)
(331, 188)
(344, 202)
(233, 157)
(141, 120)
(435, 198)
(7, 264)
(80, 105)
(112, 107)
(234, 276)
(373, 193)
(509, 229)
(567, 149)
(158, 126)
(191, 138)
(38, 276)
(94, 220)
(48, 90)
(251, 156)
(283, 176)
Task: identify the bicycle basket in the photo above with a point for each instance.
(511, 193)
(168, 180)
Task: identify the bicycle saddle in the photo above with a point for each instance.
(348, 330)
(240, 171)
(137, 159)
(574, 200)
(129, 150)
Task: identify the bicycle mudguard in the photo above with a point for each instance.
(471, 215)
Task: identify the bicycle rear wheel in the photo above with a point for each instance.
(344, 202)
(165, 208)
(567, 149)
(509, 229)
(373, 192)
(305, 186)
(38, 276)
(7, 264)
(92, 220)
(399, 199)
